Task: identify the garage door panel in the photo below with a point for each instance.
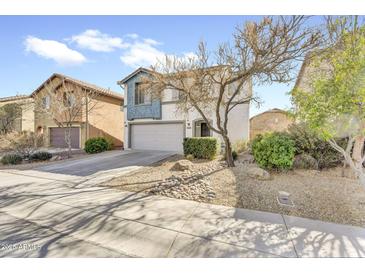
(165, 137)
(57, 137)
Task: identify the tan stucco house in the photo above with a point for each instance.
(269, 121)
(105, 119)
(26, 103)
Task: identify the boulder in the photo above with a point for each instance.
(245, 158)
(257, 173)
(56, 158)
(182, 165)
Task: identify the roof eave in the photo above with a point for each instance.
(134, 73)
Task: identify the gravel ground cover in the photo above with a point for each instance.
(328, 195)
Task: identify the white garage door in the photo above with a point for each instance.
(166, 137)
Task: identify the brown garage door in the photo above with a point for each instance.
(57, 137)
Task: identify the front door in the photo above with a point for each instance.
(205, 131)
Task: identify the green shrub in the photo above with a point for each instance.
(308, 142)
(274, 151)
(40, 156)
(110, 144)
(96, 145)
(234, 155)
(11, 159)
(201, 147)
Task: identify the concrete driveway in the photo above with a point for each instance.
(45, 214)
(105, 161)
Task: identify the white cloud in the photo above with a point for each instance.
(50, 49)
(151, 42)
(132, 35)
(97, 41)
(145, 53)
(141, 54)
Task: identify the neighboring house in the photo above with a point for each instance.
(103, 120)
(269, 121)
(26, 119)
(157, 125)
(310, 70)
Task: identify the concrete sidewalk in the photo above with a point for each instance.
(56, 217)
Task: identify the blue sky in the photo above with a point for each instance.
(104, 49)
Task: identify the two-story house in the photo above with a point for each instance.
(156, 124)
(103, 120)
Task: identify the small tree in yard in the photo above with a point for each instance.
(335, 105)
(66, 103)
(9, 113)
(262, 52)
(26, 143)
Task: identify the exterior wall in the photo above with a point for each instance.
(44, 121)
(152, 110)
(238, 121)
(106, 119)
(308, 72)
(27, 118)
(268, 122)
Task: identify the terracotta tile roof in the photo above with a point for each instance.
(103, 91)
(13, 98)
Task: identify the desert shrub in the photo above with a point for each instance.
(110, 144)
(189, 157)
(11, 159)
(240, 146)
(234, 155)
(40, 156)
(274, 151)
(305, 161)
(26, 143)
(5, 140)
(308, 142)
(201, 147)
(96, 145)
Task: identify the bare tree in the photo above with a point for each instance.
(9, 115)
(66, 104)
(263, 52)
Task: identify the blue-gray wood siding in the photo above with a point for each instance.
(152, 110)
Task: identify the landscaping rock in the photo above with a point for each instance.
(257, 173)
(56, 158)
(245, 158)
(191, 189)
(182, 165)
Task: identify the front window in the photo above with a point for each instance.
(175, 95)
(69, 100)
(140, 97)
(46, 102)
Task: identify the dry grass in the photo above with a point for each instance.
(318, 195)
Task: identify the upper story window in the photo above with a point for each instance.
(46, 102)
(140, 97)
(69, 100)
(176, 95)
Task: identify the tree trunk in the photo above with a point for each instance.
(362, 178)
(358, 151)
(228, 146)
(68, 141)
